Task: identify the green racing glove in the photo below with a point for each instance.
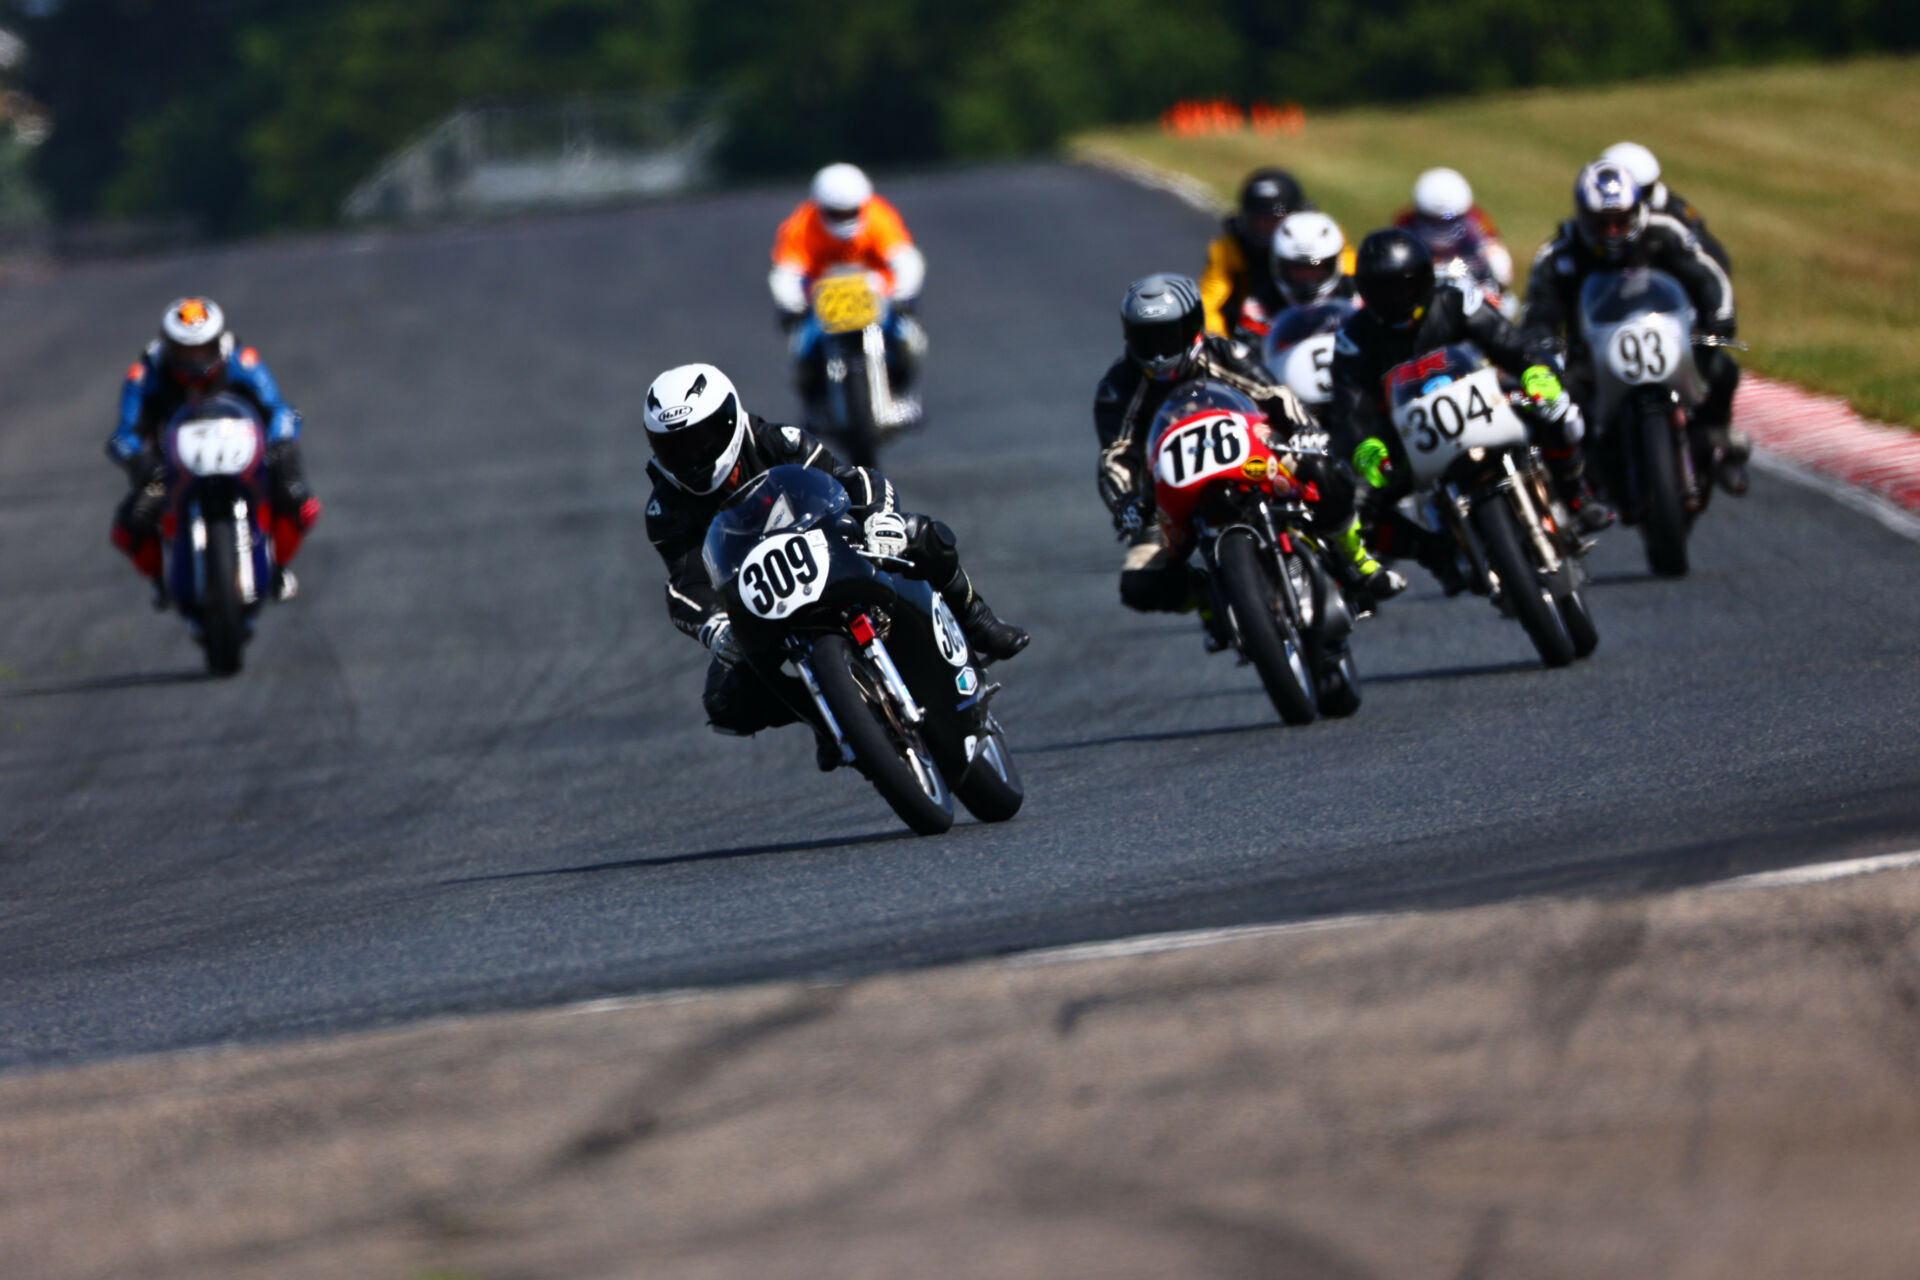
(1541, 383)
(1370, 461)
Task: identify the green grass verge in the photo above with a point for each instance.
(1810, 174)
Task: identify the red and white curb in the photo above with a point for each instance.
(1820, 441)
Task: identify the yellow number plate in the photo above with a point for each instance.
(843, 304)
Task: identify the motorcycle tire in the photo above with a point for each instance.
(1269, 639)
(1340, 689)
(1528, 600)
(222, 614)
(1665, 527)
(991, 789)
(862, 432)
(893, 759)
(1579, 622)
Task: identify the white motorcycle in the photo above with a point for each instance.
(1298, 350)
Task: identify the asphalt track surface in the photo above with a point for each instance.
(467, 768)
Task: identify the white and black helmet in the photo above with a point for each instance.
(1306, 257)
(194, 340)
(841, 191)
(1610, 209)
(696, 426)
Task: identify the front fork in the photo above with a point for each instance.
(875, 650)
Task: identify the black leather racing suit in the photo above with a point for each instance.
(1551, 319)
(1368, 348)
(1124, 405)
(1664, 199)
(743, 698)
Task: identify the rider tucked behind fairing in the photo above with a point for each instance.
(1614, 229)
(1407, 315)
(1238, 290)
(1160, 321)
(705, 446)
(843, 223)
(196, 356)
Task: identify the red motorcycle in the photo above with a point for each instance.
(1223, 490)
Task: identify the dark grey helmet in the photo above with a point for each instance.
(1161, 318)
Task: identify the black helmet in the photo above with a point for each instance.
(1267, 196)
(1161, 319)
(1395, 276)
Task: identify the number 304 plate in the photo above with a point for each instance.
(784, 573)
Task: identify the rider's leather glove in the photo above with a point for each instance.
(143, 468)
(1371, 462)
(1541, 383)
(886, 534)
(1129, 518)
(717, 634)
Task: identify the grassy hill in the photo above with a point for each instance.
(1809, 174)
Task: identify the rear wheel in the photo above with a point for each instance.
(991, 789)
(885, 748)
(222, 614)
(1665, 527)
(1267, 635)
(1529, 600)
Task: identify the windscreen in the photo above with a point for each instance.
(1609, 297)
(1298, 323)
(783, 499)
(1431, 372)
(1192, 398)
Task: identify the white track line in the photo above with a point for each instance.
(1188, 190)
(1865, 501)
(1817, 872)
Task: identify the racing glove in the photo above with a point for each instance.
(1541, 383)
(1371, 462)
(1130, 517)
(144, 468)
(886, 534)
(717, 634)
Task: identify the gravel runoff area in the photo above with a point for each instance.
(1716, 1082)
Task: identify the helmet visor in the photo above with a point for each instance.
(1609, 227)
(1395, 298)
(1160, 347)
(689, 453)
(195, 362)
(1305, 280)
(841, 224)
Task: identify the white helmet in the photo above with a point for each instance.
(1638, 161)
(1443, 194)
(696, 426)
(1306, 257)
(841, 191)
(194, 341)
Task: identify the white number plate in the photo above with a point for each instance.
(1197, 451)
(784, 573)
(217, 446)
(1308, 368)
(952, 641)
(1470, 412)
(1646, 350)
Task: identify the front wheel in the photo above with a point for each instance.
(222, 614)
(991, 789)
(886, 749)
(1665, 528)
(1527, 598)
(1267, 636)
(862, 431)
(1579, 621)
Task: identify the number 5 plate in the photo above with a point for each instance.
(784, 573)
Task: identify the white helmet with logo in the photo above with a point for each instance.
(842, 191)
(696, 426)
(1641, 163)
(1443, 194)
(194, 341)
(1306, 257)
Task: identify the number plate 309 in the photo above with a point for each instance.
(784, 573)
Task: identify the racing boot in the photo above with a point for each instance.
(1568, 467)
(285, 585)
(1371, 581)
(826, 752)
(992, 639)
(1731, 449)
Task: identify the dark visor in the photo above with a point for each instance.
(1158, 341)
(1308, 277)
(689, 452)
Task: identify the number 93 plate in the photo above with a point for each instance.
(784, 573)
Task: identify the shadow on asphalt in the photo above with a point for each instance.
(1170, 735)
(1448, 673)
(704, 855)
(103, 684)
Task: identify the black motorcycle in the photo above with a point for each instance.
(888, 669)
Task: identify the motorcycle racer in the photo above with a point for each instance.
(1237, 289)
(844, 223)
(1160, 322)
(1614, 229)
(1645, 168)
(1406, 315)
(1446, 218)
(196, 356)
(705, 445)
(1308, 260)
